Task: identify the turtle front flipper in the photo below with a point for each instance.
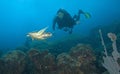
(42, 31)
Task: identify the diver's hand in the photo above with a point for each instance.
(53, 33)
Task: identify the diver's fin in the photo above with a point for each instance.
(87, 15)
(42, 30)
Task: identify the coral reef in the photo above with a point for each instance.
(66, 56)
(14, 62)
(84, 55)
(111, 62)
(42, 62)
(1, 66)
(67, 65)
(79, 60)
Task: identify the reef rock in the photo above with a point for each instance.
(14, 62)
(42, 62)
(84, 55)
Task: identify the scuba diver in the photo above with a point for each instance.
(65, 21)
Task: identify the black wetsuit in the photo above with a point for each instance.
(67, 20)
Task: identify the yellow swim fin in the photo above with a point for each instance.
(87, 15)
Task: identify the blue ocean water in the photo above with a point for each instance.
(19, 17)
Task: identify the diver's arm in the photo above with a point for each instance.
(54, 23)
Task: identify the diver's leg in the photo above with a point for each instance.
(80, 12)
(77, 17)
